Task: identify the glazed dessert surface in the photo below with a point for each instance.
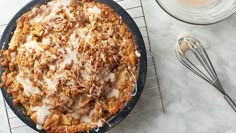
(71, 64)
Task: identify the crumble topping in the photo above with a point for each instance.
(72, 65)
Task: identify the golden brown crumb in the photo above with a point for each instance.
(71, 64)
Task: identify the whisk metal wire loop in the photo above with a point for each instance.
(200, 53)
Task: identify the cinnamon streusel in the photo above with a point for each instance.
(71, 64)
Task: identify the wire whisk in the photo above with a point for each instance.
(187, 43)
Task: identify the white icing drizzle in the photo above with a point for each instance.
(137, 53)
(73, 41)
(84, 34)
(29, 38)
(107, 122)
(94, 10)
(113, 92)
(41, 16)
(96, 129)
(27, 85)
(86, 119)
(52, 67)
(134, 91)
(81, 33)
(112, 76)
(39, 127)
(30, 45)
(52, 8)
(46, 41)
(70, 56)
(109, 76)
(85, 75)
(3, 44)
(42, 112)
(99, 123)
(75, 115)
(52, 83)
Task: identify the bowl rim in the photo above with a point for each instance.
(193, 23)
(141, 71)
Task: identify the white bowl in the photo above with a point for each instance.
(199, 11)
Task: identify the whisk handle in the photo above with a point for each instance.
(230, 101)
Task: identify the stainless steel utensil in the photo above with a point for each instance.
(207, 72)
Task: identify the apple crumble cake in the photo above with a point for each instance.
(71, 64)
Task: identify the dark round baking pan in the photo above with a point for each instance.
(142, 65)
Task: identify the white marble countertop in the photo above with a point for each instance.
(192, 106)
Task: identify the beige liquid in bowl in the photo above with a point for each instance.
(195, 2)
